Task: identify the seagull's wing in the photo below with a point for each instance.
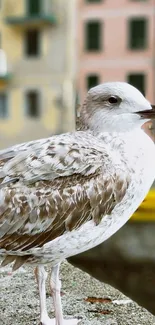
(49, 159)
(55, 186)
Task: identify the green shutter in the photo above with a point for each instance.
(34, 7)
(137, 80)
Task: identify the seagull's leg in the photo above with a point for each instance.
(55, 285)
(41, 276)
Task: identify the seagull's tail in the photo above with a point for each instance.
(18, 261)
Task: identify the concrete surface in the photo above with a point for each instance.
(19, 303)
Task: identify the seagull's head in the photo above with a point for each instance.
(116, 107)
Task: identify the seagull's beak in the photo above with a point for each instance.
(148, 114)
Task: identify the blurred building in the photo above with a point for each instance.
(37, 81)
(116, 41)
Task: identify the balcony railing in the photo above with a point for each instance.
(31, 19)
(5, 78)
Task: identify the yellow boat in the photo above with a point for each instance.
(146, 211)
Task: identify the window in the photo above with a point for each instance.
(32, 42)
(93, 35)
(34, 7)
(32, 103)
(138, 33)
(3, 106)
(138, 81)
(93, 1)
(92, 81)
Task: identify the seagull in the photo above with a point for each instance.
(63, 195)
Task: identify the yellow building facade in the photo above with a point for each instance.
(37, 90)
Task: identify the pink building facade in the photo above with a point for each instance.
(116, 42)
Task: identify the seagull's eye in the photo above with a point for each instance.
(113, 100)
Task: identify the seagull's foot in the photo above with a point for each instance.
(48, 321)
(73, 321)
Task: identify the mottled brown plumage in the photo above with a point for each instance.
(36, 209)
